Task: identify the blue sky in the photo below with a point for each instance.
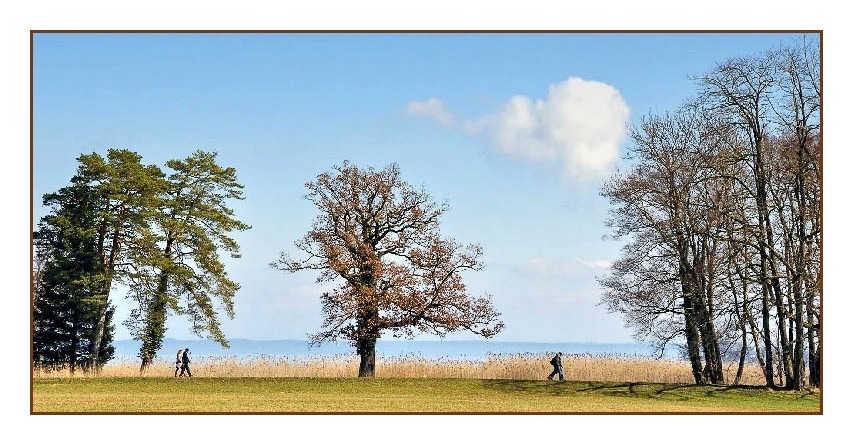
(514, 131)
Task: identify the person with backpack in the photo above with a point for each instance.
(178, 361)
(557, 363)
(185, 363)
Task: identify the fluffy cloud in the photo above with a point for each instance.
(581, 125)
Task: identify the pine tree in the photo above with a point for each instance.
(65, 308)
(180, 270)
(124, 222)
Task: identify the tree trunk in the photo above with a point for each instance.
(75, 343)
(691, 328)
(798, 278)
(155, 325)
(814, 368)
(768, 341)
(798, 337)
(742, 359)
(818, 375)
(155, 320)
(698, 318)
(741, 320)
(755, 341)
(95, 349)
(367, 352)
(784, 338)
(692, 335)
(105, 303)
(710, 344)
(769, 284)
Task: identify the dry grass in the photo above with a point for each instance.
(581, 367)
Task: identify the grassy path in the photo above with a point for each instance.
(287, 395)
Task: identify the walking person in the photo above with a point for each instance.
(185, 363)
(178, 361)
(557, 363)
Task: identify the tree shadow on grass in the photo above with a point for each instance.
(689, 396)
(636, 390)
(537, 387)
(532, 387)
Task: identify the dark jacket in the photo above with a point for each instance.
(557, 361)
(185, 358)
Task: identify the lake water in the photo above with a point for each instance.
(471, 350)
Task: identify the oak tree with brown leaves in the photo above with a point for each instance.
(378, 237)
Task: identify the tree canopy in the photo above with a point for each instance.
(379, 237)
(121, 221)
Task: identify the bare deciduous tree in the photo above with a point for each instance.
(724, 198)
(658, 203)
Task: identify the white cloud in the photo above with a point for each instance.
(433, 109)
(581, 125)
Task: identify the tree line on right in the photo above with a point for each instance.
(720, 211)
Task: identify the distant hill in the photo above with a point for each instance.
(475, 350)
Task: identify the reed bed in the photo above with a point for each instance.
(524, 366)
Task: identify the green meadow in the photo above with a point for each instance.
(403, 395)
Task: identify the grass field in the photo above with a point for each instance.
(353, 395)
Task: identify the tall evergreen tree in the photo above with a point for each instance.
(177, 267)
(64, 308)
(124, 222)
(127, 192)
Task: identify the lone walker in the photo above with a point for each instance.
(557, 363)
(178, 361)
(185, 363)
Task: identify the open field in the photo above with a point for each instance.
(353, 395)
(501, 383)
(580, 367)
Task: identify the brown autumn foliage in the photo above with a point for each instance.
(379, 237)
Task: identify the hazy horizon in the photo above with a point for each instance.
(127, 350)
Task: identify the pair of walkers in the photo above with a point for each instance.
(182, 362)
